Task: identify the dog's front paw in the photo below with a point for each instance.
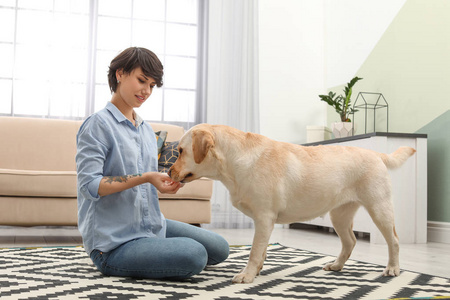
(391, 271)
(243, 277)
(333, 267)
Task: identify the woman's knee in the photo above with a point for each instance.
(192, 257)
(219, 251)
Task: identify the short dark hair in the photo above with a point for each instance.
(132, 58)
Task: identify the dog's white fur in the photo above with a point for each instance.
(275, 182)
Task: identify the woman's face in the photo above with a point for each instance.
(135, 88)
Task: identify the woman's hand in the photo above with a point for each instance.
(164, 184)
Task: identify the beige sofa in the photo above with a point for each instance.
(38, 175)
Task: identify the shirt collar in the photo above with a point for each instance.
(118, 115)
(139, 120)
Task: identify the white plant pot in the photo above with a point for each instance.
(343, 129)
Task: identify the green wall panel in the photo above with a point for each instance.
(438, 167)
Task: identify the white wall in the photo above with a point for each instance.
(291, 64)
(352, 29)
(308, 47)
(408, 63)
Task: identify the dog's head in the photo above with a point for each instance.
(197, 155)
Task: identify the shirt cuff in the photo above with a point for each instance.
(92, 189)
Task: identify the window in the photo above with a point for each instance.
(55, 55)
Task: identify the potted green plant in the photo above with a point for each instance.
(342, 105)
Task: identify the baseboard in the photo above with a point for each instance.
(438, 232)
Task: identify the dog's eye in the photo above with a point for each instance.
(181, 150)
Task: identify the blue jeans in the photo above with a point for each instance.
(184, 252)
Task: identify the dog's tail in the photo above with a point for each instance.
(397, 158)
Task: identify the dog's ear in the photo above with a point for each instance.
(202, 142)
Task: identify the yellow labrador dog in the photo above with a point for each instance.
(275, 182)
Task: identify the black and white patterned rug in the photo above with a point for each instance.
(67, 273)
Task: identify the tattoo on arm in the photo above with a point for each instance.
(111, 179)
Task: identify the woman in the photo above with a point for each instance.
(123, 229)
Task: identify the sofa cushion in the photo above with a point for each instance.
(169, 155)
(200, 189)
(38, 144)
(38, 183)
(62, 184)
(161, 137)
(27, 183)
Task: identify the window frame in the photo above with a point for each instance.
(90, 85)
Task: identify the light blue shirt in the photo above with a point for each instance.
(108, 144)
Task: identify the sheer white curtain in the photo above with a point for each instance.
(232, 89)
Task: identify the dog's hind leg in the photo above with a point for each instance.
(383, 216)
(342, 219)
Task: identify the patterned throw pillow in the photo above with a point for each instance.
(161, 137)
(168, 157)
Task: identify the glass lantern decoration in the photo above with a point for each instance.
(367, 101)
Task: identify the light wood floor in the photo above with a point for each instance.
(430, 258)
